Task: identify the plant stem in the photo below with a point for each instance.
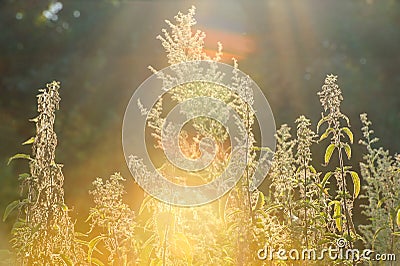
(305, 204)
(344, 198)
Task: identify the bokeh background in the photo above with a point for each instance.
(100, 50)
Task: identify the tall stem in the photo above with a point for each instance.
(348, 219)
(305, 203)
(246, 188)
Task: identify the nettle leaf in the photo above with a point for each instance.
(97, 262)
(321, 121)
(92, 245)
(312, 169)
(381, 201)
(326, 177)
(10, 207)
(356, 183)
(260, 201)
(19, 156)
(348, 133)
(23, 176)
(377, 232)
(35, 119)
(29, 141)
(347, 149)
(329, 152)
(398, 218)
(326, 133)
(337, 213)
(145, 204)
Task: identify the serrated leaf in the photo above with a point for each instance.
(347, 149)
(348, 133)
(29, 141)
(92, 245)
(97, 262)
(19, 156)
(328, 152)
(222, 207)
(398, 218)
(337, 212)
(76, 233)
(10, 207)
(64, 207)
(381, 201)
(145, 201)
(321, 121)
(356, 183)
(35, 119)
(312, 169)
(260, 201)
(326, 177)
(23, 176)
(326, 134)
(377, 232)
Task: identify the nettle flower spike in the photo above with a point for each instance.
(331, 95)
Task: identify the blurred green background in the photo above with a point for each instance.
(100, 51)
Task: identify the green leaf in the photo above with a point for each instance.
(398, 218)
(312, 169)
(326, 177)
(381, 201)
(19, 156)
(321, 121)
(29, 141)
(97, 262)
(63, 206)
(76, 233)
(10, 207)
(348, 133)
(356, 183)
(337, 212)
(347, 149)
(326, 133)
(260, 201)
(23, 176)
(377, 232)
(92, 245)
(144, 204)
(329, 152)
(35, 119)
(67, 260)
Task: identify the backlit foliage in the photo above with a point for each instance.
(44, 232)
(381, 173)
(302, 207)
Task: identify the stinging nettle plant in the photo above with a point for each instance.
(341, 137)
(43, 233)
(381, 173)
(298, 210)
